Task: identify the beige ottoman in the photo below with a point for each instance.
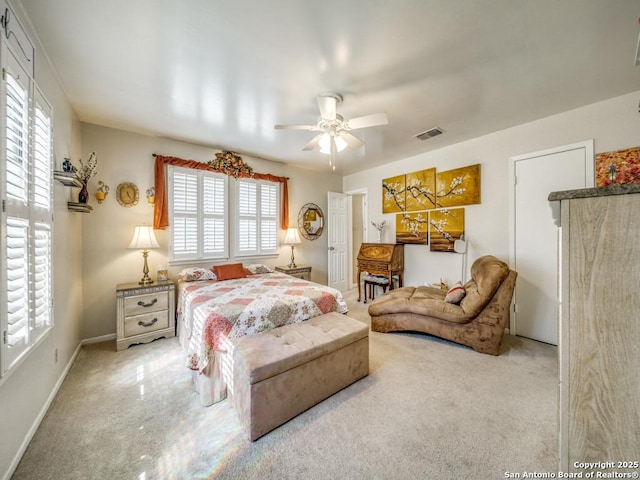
(283, 372)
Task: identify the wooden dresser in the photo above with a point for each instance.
(599, 344)
(381, 259)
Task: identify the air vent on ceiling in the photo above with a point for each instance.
(427, 134)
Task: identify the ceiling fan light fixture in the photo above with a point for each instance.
(325, 143)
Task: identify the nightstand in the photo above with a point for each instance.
(144, 312)
(301, 271)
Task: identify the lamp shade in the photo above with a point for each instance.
(460, 246)
(292, 236)
(325, 143)
(144, 238)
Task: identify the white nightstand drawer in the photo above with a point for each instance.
(144, 313)
(151, 302)
(148, 322)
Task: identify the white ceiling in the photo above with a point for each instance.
(222, 73)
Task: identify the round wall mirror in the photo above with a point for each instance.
(310, 221)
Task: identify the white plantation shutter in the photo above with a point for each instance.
(42, 154)
(185, 214)
(26, 313)
(16, 338)
(268, 217)
(214, 205)
(17, 132)
(41, 274)
(247, 217)
(198, 209)
(257, 217)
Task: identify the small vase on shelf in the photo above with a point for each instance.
(379, 236)
(83, 196)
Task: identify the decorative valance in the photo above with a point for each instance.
(161, 210)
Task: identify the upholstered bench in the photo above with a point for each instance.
(280, 373)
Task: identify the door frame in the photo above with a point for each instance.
(588, 146)
(365, 228)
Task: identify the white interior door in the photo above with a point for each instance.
(536, 234)
(337, 214)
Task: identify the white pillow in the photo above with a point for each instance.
(455, 294)
(196, 273)
(257, 268)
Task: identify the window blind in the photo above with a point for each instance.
(26, 170)
(17, 288)
(42, 156)
(199, 214)
(17, 131)
(257, 217)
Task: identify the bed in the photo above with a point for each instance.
(211, 313)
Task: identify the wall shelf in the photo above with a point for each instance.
(79, 207)
(70, 179)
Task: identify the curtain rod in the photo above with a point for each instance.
(155, 155)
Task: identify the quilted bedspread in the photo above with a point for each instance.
(210, 312)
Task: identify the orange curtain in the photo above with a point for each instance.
(161, 209)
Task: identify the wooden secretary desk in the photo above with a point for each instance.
(381, 259)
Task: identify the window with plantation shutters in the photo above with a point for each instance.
(257, 217)
(213, 216)
(27, 222)
(198, 214)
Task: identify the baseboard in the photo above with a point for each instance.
(43, 411)
(102, 338)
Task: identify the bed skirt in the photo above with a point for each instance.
(211, 384)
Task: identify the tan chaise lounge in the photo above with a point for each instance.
(478, 322)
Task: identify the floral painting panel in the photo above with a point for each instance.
(412, 228)
(393, 194)
(421, 190)
(460, 186)
(445, 227)
(615, 168)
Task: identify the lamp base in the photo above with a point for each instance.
(146, 279)
(293, 263)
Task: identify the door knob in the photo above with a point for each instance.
(331, 248)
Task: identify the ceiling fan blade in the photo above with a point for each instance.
(372, 120)
(313, 143)
(310, 128)
(352, 140)
(328, 106)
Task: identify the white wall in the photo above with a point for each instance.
(26, 391)
(614, 124)
(107, 230)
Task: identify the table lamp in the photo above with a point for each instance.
(292, 238)
(144, 239)
(460, 246)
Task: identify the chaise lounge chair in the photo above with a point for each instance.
(478, 321)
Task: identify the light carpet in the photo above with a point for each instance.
(429, 409)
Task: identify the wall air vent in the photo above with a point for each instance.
(427, 134)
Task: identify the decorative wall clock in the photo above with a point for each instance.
(127, 194)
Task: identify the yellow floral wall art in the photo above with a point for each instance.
(460, 186)
(393, 194)
(420, 190)
(445, 227)
(412, 227)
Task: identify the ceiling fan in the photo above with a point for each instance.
(335, 131)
